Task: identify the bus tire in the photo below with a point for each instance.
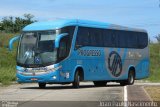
(100, 83)
(76, 80)
(131, 78)
(42, 85)
(123, 83)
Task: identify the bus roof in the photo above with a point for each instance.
(56, 24)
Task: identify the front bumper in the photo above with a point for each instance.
(45, 78)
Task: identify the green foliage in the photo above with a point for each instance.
(15, 24)
(7, 60)
(154, 63)
(158, 38)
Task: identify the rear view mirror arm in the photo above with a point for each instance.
(58, 38)
(13, 40)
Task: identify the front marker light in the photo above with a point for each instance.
(54, 77)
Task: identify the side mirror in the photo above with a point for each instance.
(13, 40)
(58, 38)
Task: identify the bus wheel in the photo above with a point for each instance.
(99, 83)
(123, 83)
(76, 80)
(42, 85)
(131, 77)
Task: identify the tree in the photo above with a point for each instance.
(19, 24)
(158, 38)
(150, 41)
(15, 24)
(28, 19)
(1, 28)
(28, 16)
(8, 24)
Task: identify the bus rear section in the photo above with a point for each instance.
(118, 55)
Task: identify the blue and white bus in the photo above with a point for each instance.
(70, 51)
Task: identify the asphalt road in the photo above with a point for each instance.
(29, 95)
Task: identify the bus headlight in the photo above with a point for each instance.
(54, 77)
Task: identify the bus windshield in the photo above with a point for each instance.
(37, 48)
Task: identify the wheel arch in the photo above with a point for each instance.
(81, 72)
(132, 68)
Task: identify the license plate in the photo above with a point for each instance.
(34, 79)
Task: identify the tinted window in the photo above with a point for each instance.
(122, 36)
(142, 40)
(65, 42)
(111, 38)
(96, 37)
(69, 30)
(83, 38)
(107, 38)
(132, 40)
(89, 37)
(124, 39)
(63, 48)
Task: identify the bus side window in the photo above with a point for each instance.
(63, 48)
(113, 39)
(109, 38)
(142, 40)
(83, 38)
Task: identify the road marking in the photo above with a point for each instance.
(147, 94)
(125, 97)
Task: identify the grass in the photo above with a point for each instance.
(154, 92)
(154, 63)
(8, 61)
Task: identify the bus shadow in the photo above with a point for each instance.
(69, 87)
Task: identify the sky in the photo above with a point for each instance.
(143, 14)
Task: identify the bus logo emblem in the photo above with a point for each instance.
(37, 60)
(115, 64)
